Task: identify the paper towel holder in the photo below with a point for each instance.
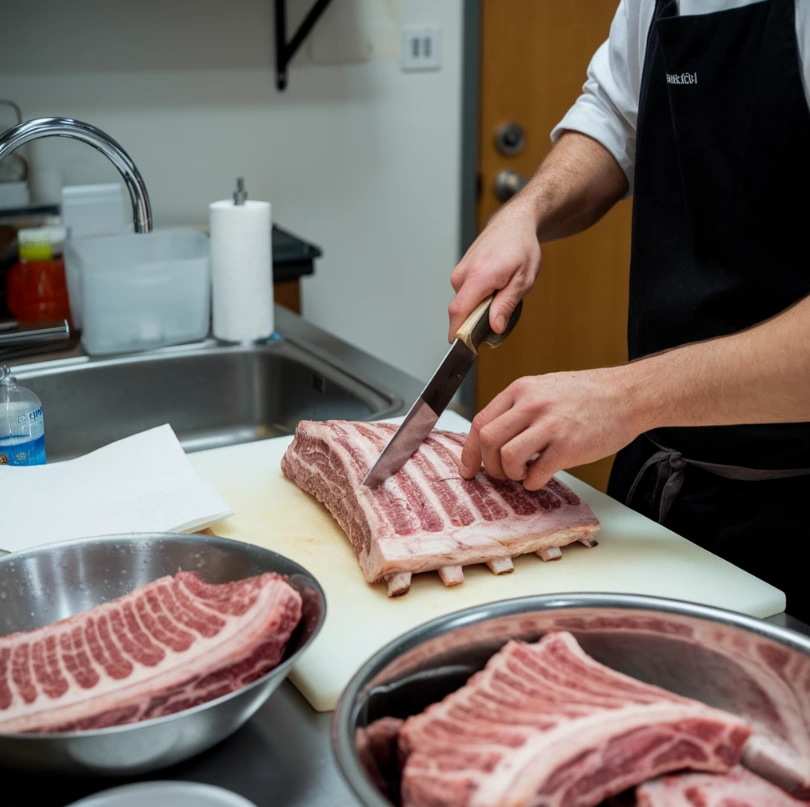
(274, 339)
(240, 194)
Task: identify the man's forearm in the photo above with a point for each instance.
(760, 375)
(577, 183)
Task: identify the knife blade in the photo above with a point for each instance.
(425, 412)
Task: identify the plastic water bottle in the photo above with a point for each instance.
(22, 428)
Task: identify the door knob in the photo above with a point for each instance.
(507, 183)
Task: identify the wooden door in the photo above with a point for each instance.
(534, 59)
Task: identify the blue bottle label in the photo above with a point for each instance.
(22, 451)
(27, 447)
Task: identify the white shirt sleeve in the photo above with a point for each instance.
(607, 110)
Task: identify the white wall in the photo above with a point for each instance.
(363, 159)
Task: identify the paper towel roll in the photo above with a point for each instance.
(241, 270)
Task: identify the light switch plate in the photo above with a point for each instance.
(421, 48)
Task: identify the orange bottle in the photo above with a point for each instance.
(36, 286)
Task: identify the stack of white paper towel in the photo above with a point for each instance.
(143, 483)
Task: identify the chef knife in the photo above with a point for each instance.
(438, 393)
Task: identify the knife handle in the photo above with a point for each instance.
(476, 329)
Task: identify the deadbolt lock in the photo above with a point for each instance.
(510, 139)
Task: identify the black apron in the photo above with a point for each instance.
(720, 243)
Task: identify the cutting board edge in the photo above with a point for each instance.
(324, 702)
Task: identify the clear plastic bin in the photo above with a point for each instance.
(139, 291)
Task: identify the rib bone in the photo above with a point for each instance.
(451, 575)
(501, 565)
(398, 583)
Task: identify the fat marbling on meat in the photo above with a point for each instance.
(427, 517)
(738, 788)
(170, 645)
(545, 725)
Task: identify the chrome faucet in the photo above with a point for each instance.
(13, 138)
(22, 339)
(25, 338)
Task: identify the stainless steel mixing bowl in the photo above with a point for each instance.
(719, 657)
(53, 582)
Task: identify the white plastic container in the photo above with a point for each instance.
(139, 291)
(96, 210)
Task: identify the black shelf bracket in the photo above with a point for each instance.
(286, 50)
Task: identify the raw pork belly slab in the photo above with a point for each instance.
(738, 788)
(764, 682)
(544, 725)
(170, 645)
(427, 517)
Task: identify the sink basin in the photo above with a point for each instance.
(212, 395)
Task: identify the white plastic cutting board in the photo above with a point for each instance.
(634, 555)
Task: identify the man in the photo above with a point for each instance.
(701, 110)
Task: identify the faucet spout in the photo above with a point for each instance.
(13, 138)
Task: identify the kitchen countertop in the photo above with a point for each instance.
(283, 756)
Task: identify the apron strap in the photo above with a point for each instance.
(670, 466)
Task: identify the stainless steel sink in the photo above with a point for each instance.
(211, 394)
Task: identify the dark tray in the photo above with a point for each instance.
(292, 256)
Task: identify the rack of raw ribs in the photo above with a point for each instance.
(170, 645)
(427, 517)
(545, 725)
